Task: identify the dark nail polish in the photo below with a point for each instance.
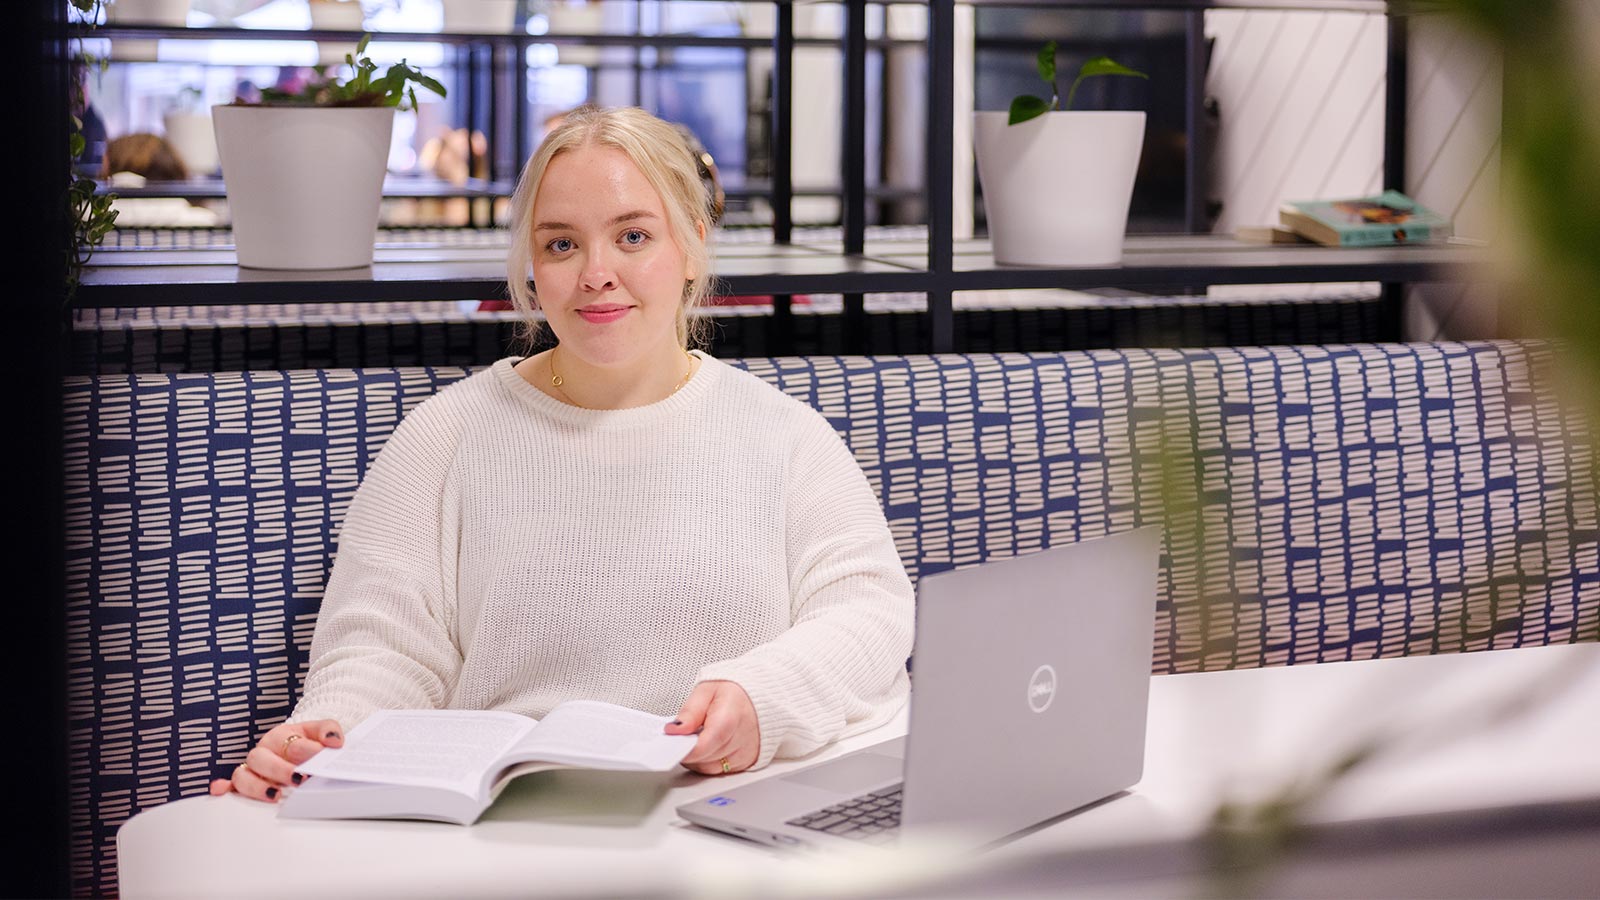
(272, 793)
(332, 735)
(677, 721)
(297, 778)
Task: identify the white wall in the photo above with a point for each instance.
(1453, 165)
(1302, 104)
(1301, 99)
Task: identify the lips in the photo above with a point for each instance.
(600, 313)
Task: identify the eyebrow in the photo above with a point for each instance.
(618, 220)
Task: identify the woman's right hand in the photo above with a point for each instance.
(269, 768)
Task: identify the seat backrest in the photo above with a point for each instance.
(1321, 503)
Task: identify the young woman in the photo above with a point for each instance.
(618, 518)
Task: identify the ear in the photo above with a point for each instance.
(689, 273)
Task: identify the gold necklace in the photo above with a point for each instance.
(556, 381)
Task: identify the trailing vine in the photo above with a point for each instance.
(92, 216)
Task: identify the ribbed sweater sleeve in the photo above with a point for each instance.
(383, 636)
(840, 668)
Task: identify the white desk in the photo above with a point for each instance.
(1240, 733)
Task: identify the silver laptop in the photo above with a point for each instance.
(1031, 678)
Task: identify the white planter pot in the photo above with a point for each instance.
(304, 185)
(576, 17)
(134, 50)
(143, 12)
(192, 135)
(568, 17)
(149, 12)
(336, 16)
(1057, 187)
(332, 54)
(480, 16)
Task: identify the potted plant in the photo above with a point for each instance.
(1057, 183)
(304, 170)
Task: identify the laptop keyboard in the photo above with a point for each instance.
(873, 818)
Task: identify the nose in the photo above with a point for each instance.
(598, 273)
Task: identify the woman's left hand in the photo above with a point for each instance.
(730, 735)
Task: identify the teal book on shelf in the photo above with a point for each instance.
(1389, 218)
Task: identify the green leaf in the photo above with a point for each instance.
(394, 80)
(1047, 63)
(1027, 107)
(366, 86)
(76, 145)
(430, 84)
(1100, 65)
(1105, 65)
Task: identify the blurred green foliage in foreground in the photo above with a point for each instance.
(1549, 242)
(1550, 165)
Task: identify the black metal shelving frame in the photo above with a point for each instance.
(937, 267)
(179, 277)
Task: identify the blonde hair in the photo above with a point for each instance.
(659, 152)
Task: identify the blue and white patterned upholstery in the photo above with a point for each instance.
(1322, 503)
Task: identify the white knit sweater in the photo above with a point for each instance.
(508, 551)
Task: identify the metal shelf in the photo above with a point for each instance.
(439, 271)
(853, 266)
(600, 39)
(214, 189)
(1168, 260)
(1366, 6)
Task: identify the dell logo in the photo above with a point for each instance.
(1041, 688)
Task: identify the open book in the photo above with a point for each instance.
(448, 765)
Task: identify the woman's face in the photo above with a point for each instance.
(607, 273)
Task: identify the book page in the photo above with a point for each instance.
(331, 798)
(444, 748)
(605, 736)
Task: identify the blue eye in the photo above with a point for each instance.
(560, 245)
(635, 238)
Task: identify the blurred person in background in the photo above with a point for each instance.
(133, 160)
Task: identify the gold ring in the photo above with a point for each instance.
(725, 767)
(240, 768)
(289, 740)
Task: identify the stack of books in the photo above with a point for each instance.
(1389, 218)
